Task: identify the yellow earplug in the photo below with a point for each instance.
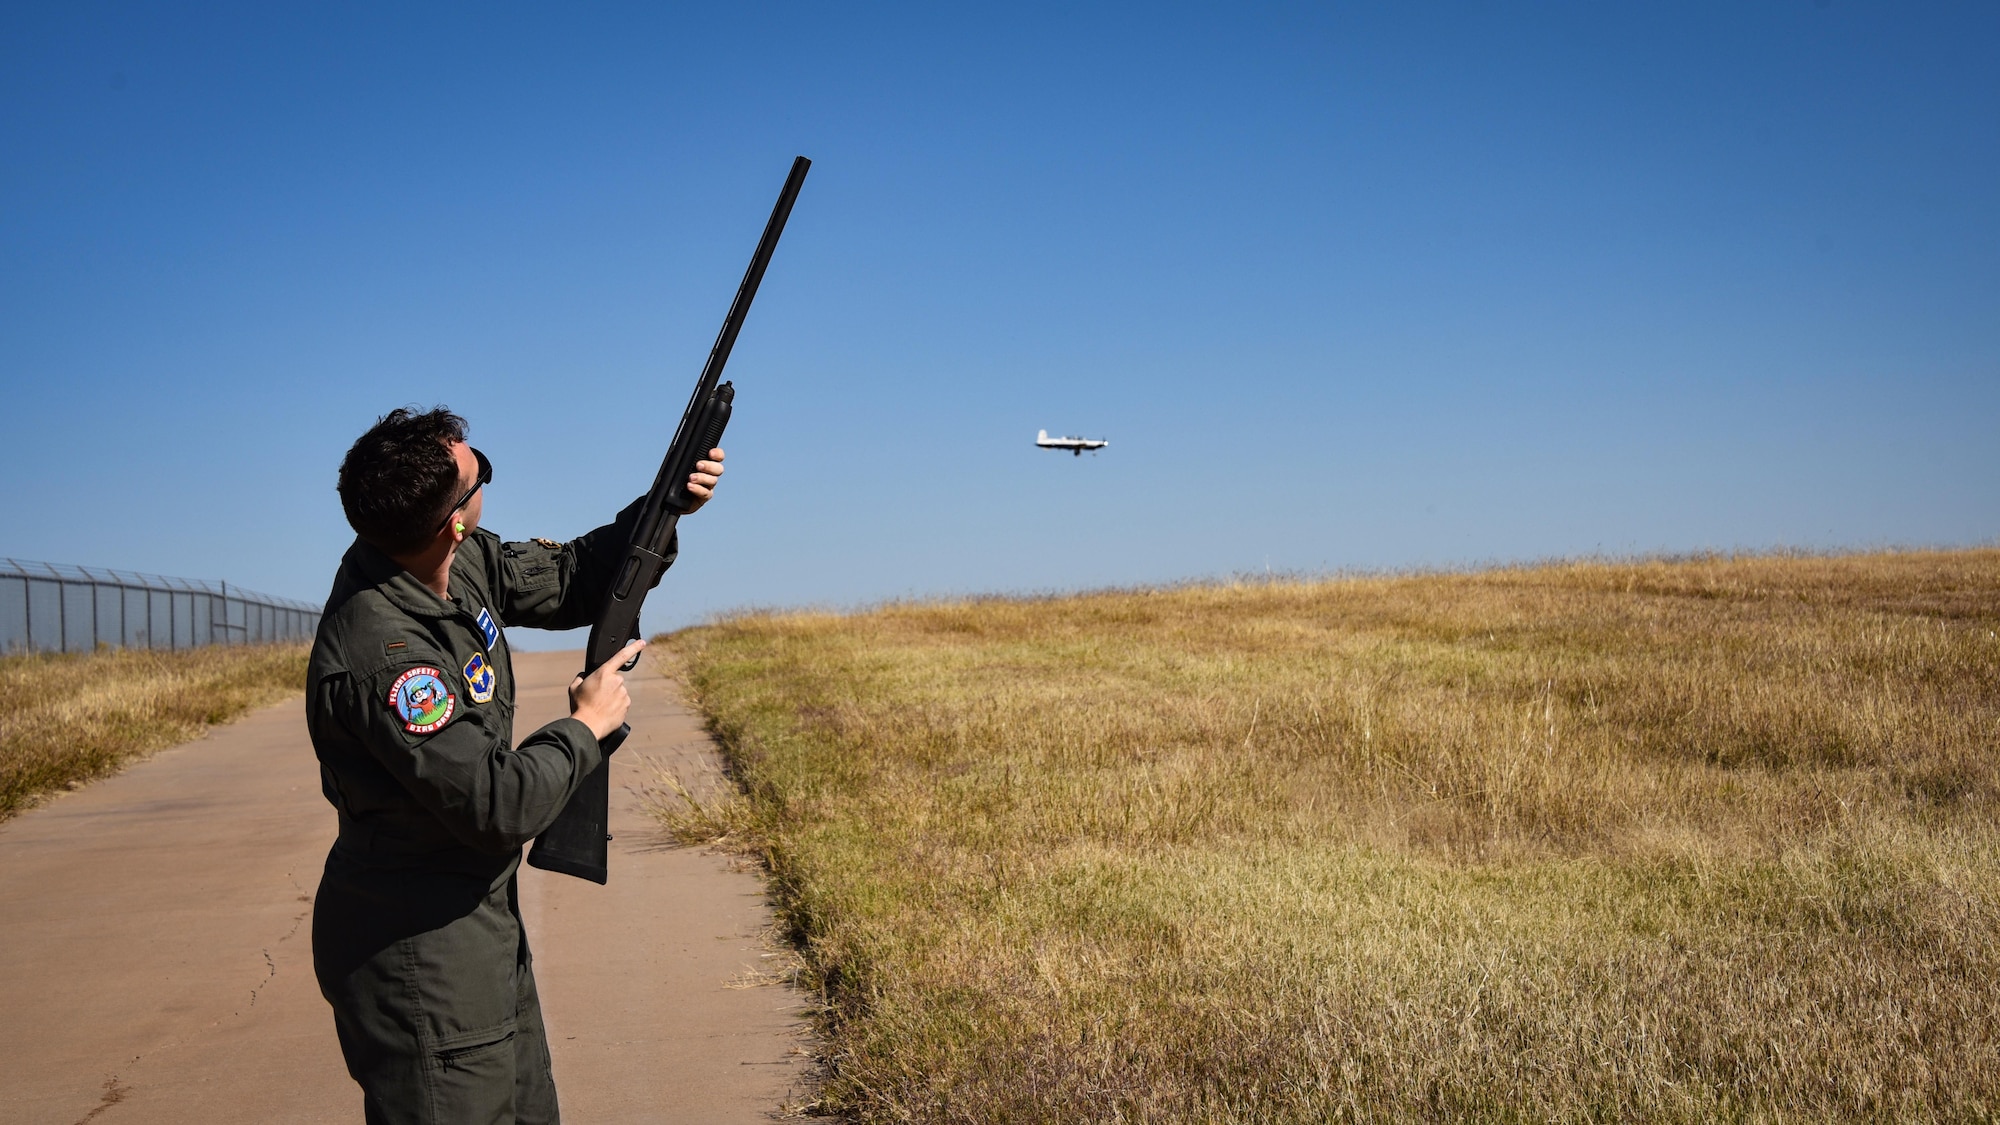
(459, 526)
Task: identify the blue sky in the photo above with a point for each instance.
(1346, 287)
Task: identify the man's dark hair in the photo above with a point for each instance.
(398, 479)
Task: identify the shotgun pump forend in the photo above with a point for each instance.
(710, 421)
(645, 559)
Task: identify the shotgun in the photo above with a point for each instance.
(575, 844)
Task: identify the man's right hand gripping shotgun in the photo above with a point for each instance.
(575, 843)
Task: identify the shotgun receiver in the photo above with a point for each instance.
(575, 843)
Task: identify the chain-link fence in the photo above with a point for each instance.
(49, 608)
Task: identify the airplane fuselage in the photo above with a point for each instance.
(1075, 445)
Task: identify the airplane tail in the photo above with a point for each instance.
(1041, 435)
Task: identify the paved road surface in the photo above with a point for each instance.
(155, 959)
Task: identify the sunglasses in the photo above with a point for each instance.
(485, 477)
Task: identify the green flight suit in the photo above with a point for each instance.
(417, 936)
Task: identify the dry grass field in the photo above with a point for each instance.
(1662, 841)
(66, 719)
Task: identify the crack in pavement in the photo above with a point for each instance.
(113, 1094)
(270, 973)
(271, 966)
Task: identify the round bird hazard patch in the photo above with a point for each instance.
(421, 699)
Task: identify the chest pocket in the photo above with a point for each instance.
(531, 565)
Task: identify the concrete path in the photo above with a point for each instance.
(156, 962)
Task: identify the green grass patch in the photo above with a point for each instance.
(1666, 841)
(67, 719)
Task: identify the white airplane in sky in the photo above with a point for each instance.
(1075, 445)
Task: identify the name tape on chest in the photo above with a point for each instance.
(422, 700)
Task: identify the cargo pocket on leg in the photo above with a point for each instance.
(472, 1076)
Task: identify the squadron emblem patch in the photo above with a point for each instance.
(478, 679)
(487, 628)
(421, 699)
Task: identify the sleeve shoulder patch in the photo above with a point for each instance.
(422, 699)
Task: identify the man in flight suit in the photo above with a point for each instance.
(417, 938)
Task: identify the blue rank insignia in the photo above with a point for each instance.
(488, 629)
(478, 679)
